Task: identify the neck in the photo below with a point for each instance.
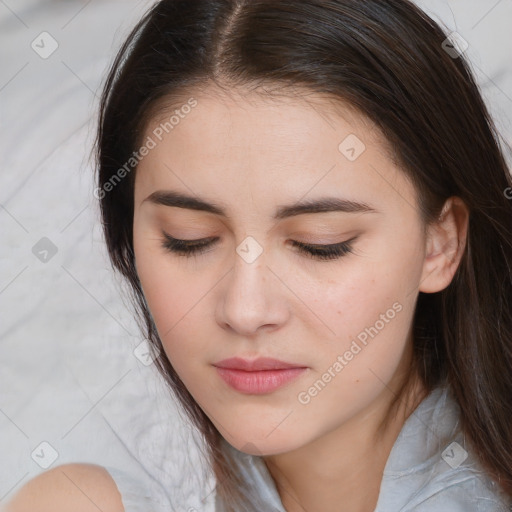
(346, 465)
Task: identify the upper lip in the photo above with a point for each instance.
(262, 363)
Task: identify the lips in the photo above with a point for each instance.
(260, 382)
(262, 363)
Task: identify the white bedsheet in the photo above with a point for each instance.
(68, 374)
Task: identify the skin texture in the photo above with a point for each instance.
(252, 154)
(77, 487)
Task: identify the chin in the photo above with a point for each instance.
(263, 445)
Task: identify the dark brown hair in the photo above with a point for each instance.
(386, 59)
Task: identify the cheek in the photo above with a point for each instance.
(371, 319)
(176, 303)
(349, 298)
(163, 284)
(171, 298)
(367, 309)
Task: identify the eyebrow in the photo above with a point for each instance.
(324, 204)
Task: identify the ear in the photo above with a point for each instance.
(445, 244)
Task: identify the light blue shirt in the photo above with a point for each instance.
(430, 469)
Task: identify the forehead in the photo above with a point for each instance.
(255, 104)
(267, 142)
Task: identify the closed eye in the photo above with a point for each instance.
(189, 248)
(325, 252)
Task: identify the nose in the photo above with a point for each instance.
(252, 297)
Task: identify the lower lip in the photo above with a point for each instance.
(259, 382)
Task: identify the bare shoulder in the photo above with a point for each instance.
(77, 487)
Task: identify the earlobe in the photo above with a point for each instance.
(445, 244)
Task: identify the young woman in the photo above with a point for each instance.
(310, 203)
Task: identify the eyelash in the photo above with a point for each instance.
(194, 248)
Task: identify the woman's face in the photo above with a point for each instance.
(252, 293)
